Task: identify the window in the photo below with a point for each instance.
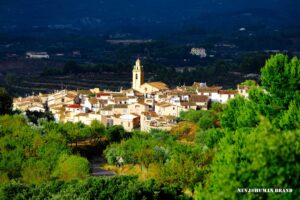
(136, 76)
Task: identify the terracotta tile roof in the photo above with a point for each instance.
(107, 108)
(116, 106)
(210, 89)
(102, 94)
(142, 103)
(228, 92)
(159, 85)
(150, 114)
(118, 95)
(74, 106)
(178, 92)
(149, 101)
(82, 115)
(121, 99)
(199, 98)
(102, 101)
(163, 104)
(71, 96)
(187, 103)
(93, 100)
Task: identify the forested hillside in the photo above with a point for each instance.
(144, 17)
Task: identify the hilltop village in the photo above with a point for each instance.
(145, 106)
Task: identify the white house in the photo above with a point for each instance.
(37, 55)
(225, 95)
(211, 92)
(128, 121)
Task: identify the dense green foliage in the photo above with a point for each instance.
(36, 117)
(204, 119)
(38, 153)
(121, 187)
(31, 153)
(72, 167)
(260, 148)
(36, 162)
(176, 162)
(239, 113)
(261, 158)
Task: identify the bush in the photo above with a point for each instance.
(119, 187)
(72, 167)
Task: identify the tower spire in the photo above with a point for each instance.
(138, 65)
(137, 75)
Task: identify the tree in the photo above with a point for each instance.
(239, 113)
(281, 78)
(35, 172)
(115, 133)
(36, 116)
(97, 130)
(207, 120)
(180, 171)
(262, 158)
(5, 102)
(210, 137)
(290, 119)
(74, 131)
(191, 115)
(72, 167)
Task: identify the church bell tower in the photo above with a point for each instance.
(137, 75)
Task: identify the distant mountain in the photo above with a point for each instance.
(145, 16)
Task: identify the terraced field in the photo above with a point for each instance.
(36, 84)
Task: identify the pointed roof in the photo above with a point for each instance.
(158, 85)
(138, 66)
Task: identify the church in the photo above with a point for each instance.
(138, 81)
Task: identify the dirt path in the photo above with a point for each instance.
(97, 171)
